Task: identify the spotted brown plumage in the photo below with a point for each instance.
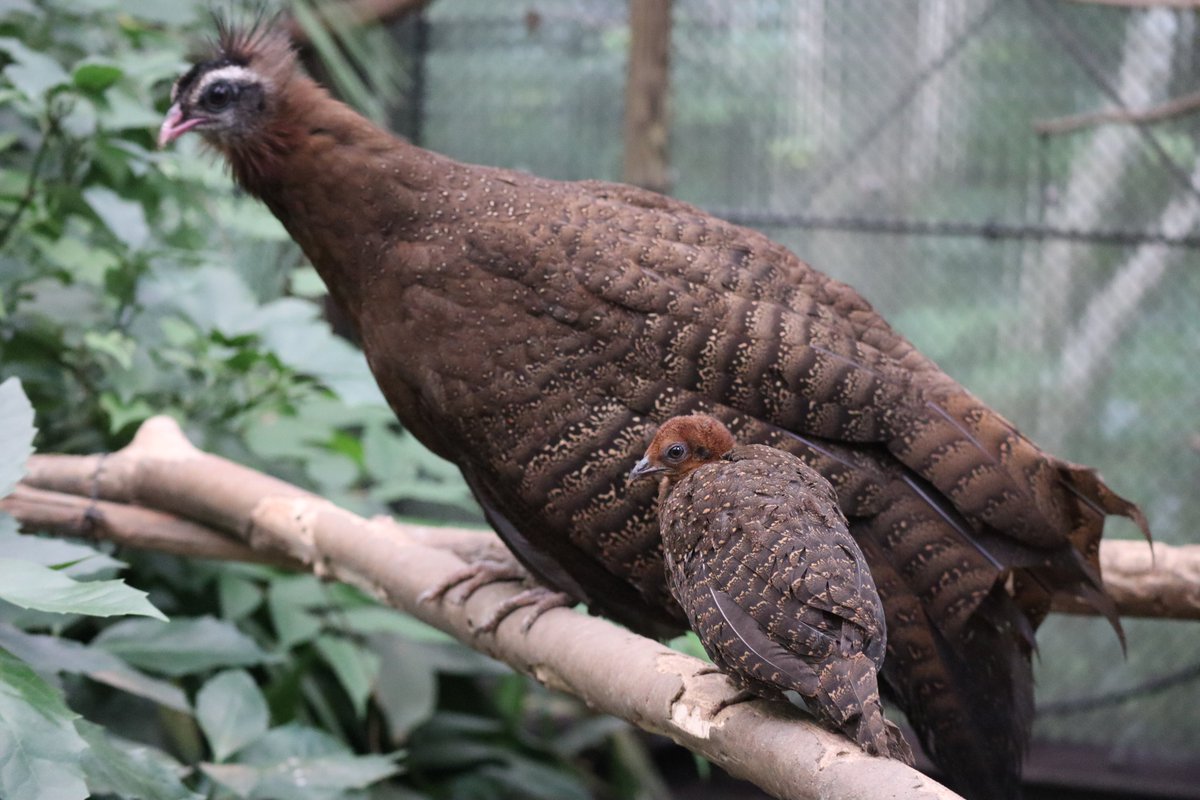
(535, 332)
(762, 562)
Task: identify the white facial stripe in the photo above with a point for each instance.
(232, 73)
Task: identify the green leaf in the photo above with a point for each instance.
(356, 668)
(94, 75)
(113, 344)
(380, 619)
(214, 298)
(130, 770)
(231, 712)
(80, 119)
(293, 329)
(455, 658)
(302, 763)
(239, 596)
(14, 7)
(406, 689)
(292, 740)
(125, 218)
(40, 751)
(390, 458)
(181, 646)
(250, 218)
(121, 413)
(69, 558)
(31, 72)
(16, 434)
(585, 734)
(33, 586)
(289, 600)
(535, 781)
(52, 654)
(126, 112)
(306, 282)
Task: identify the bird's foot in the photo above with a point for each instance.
(470, 579)
(741, 696)
(538, 599)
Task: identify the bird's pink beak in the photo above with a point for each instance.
(175, 125)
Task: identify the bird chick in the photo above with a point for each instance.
(763, 563)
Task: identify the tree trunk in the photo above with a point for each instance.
(646, 96)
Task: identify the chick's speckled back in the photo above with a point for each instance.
(765, 527)
(763, 564)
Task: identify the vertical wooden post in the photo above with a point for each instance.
(646, 88)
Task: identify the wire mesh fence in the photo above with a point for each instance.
(999, 177)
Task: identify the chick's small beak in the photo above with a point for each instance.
(174, 125)
(644, 469)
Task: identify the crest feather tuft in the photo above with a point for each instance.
(260, 43)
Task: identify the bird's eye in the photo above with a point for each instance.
(677, 451)
(218, 96)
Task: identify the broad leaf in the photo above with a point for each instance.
(69, 558)
(289, 600)
(36, 587)
(40, 751)
(52, 654)
(355, 666)
(239, 596)
(302, 763)
(125, 218)
(231, 712)
(33, 73)
(16, 434)
(129, 770)
(292, 740)
(181, 646)
(381, 619)
(535, 781)
(95, 76)
(406, 689)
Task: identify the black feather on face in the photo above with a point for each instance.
(227, 95)
(186, 81)
(222, 99)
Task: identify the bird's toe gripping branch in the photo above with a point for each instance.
(538, 599)
(458, 587)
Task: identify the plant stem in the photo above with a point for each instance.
(35, 169)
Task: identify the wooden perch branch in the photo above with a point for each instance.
(1175, 107)
(129, 526)
(611, 669)
(1165, 585)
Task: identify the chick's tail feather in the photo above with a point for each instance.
(848, 693)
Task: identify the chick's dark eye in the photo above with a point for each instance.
(676, 452)
(218, 96)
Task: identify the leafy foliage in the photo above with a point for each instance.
(135, 282)
(43, 589)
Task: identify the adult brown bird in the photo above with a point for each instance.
(761, 560)
(534, 332)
